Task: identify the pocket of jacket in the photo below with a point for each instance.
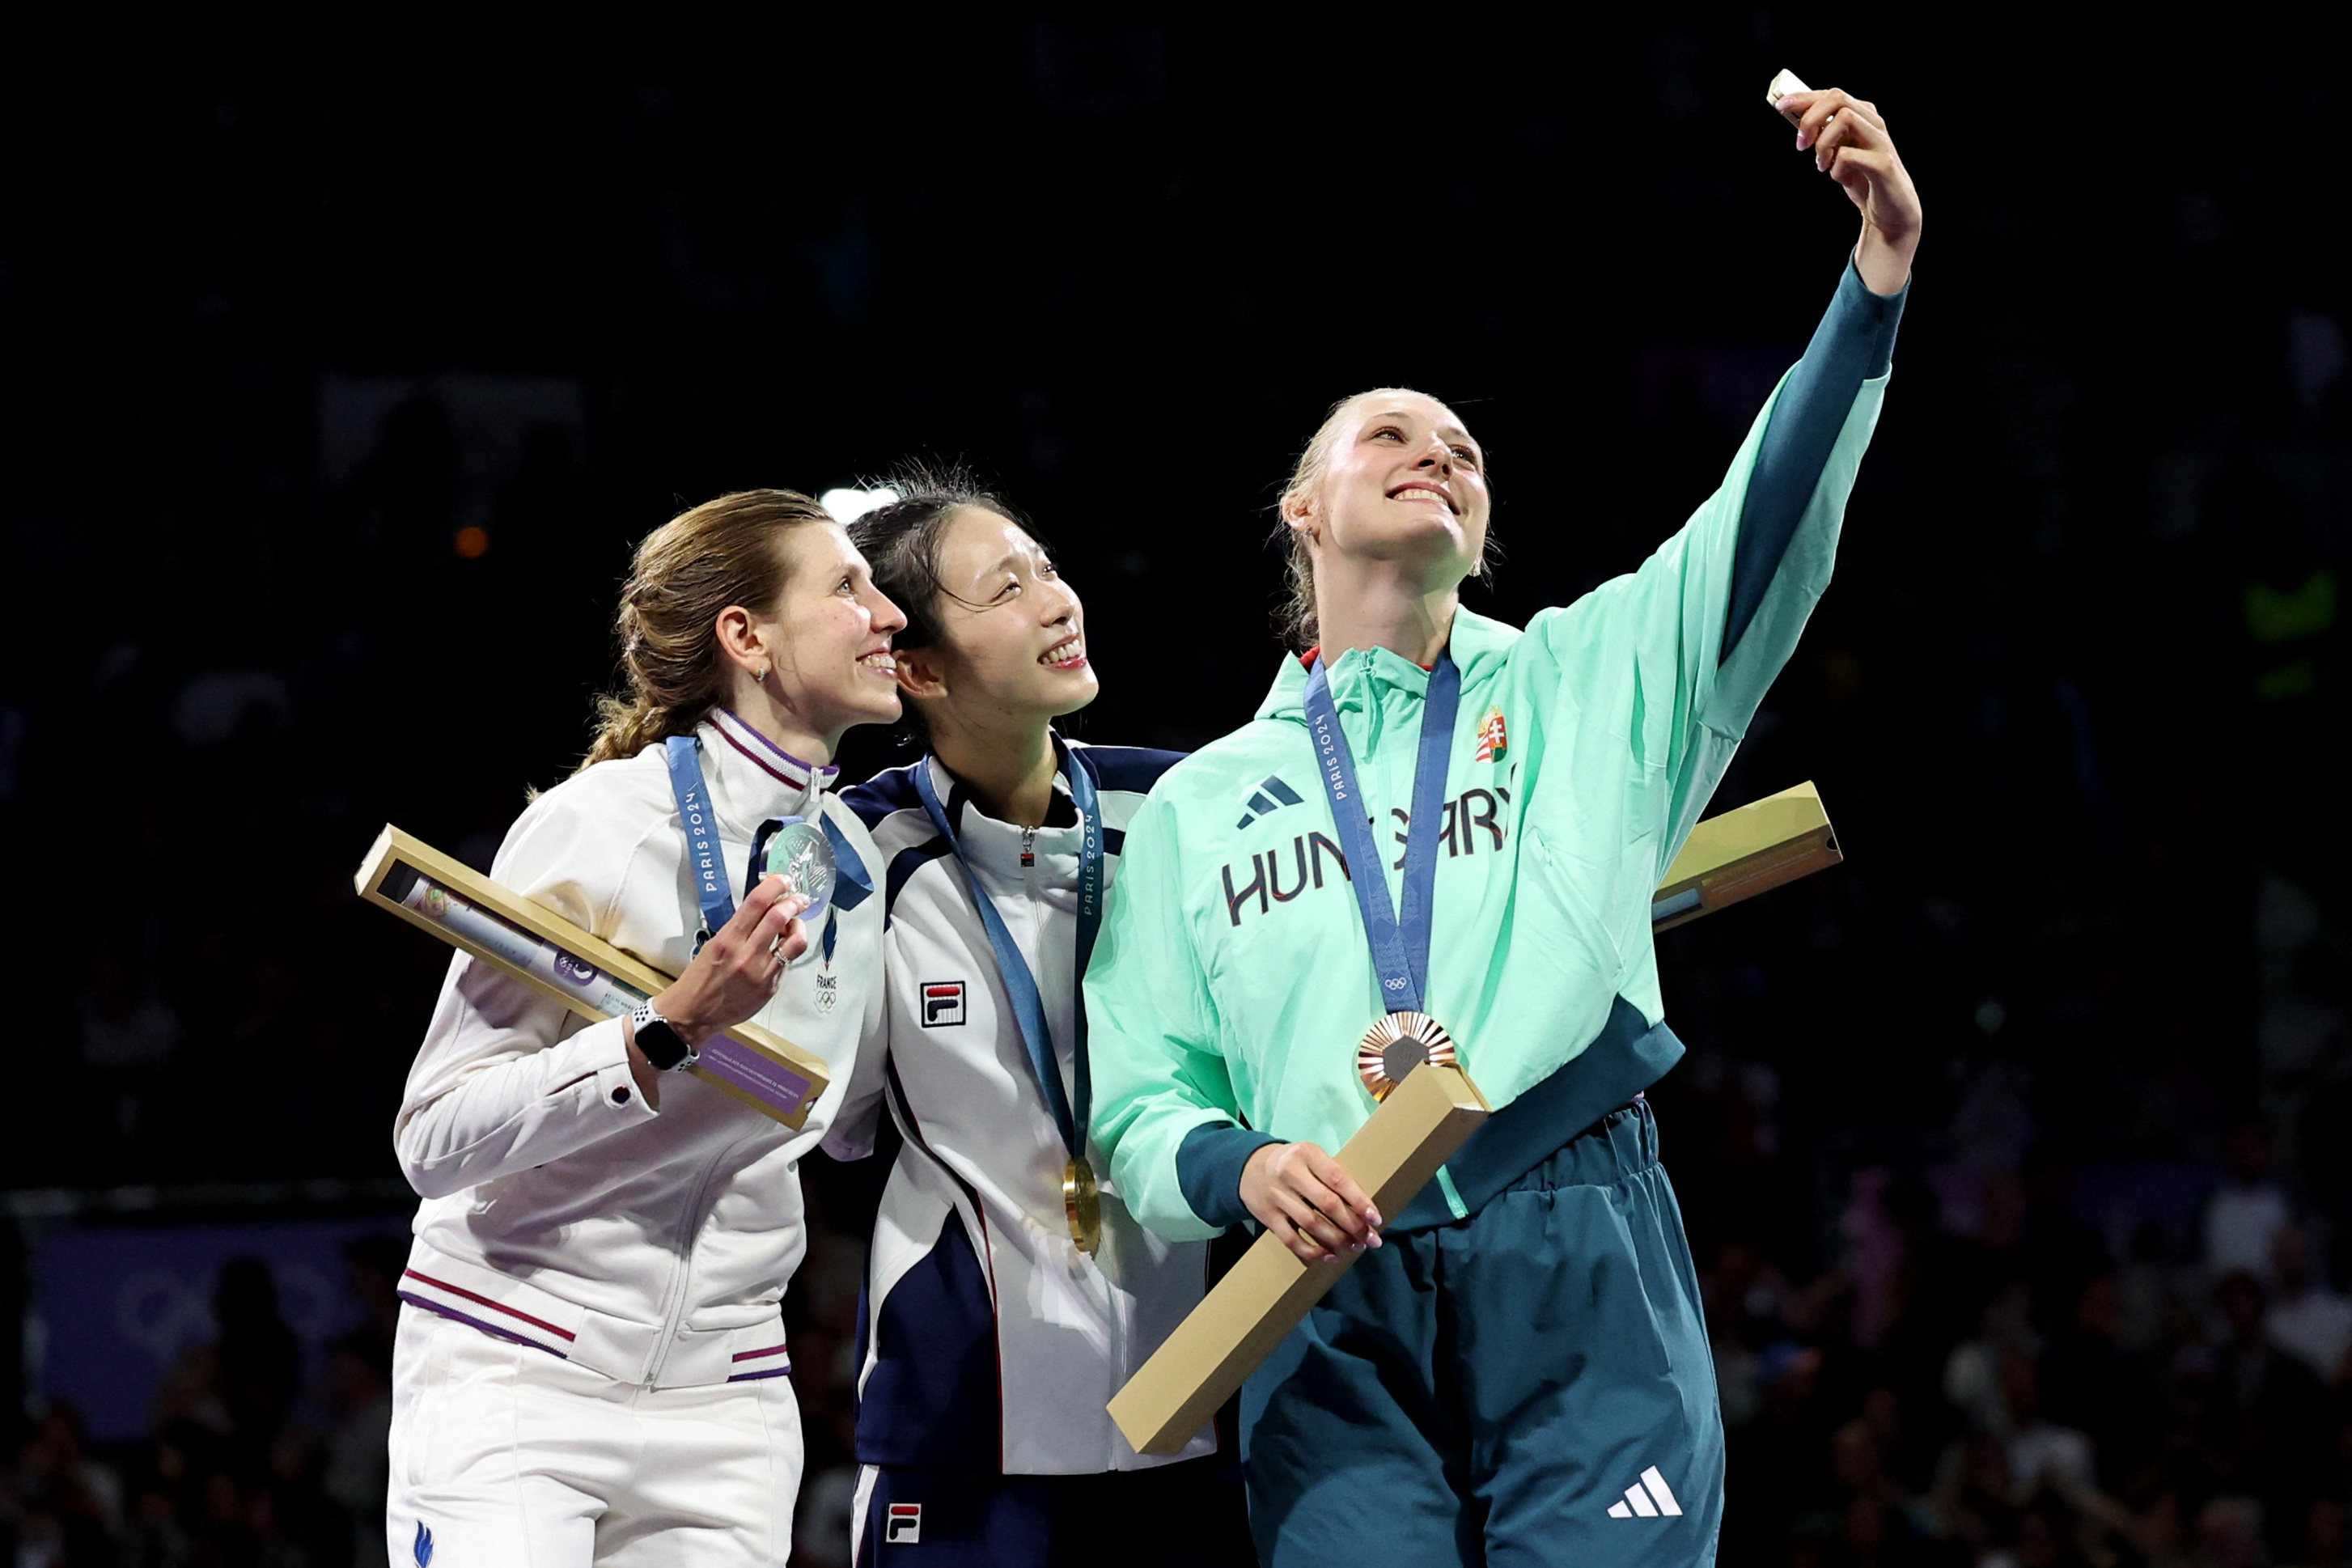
(1551, 909)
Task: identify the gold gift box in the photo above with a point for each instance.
(532, 943)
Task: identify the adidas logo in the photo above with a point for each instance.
(1270, 797)
(1647, 1499)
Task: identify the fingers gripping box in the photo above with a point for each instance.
(532, 943)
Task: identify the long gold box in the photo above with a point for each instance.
(1745, 852)
(1412, 1132)
(532, 943)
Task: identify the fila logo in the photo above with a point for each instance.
(1268, 797)
(942, 1002)
(906, 1525)
(1640, 1503)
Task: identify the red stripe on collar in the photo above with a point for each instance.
(763, 763)
(769, 757)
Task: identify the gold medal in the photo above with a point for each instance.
(1082, 1204)
(1399, 1043)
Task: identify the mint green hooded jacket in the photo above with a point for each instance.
(1233, 980)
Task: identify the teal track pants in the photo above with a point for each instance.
(1531, 1385)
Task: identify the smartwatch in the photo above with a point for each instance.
(662, 1044)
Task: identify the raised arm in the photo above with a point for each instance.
(1853, 344)
(1713, 616)
(1850, 143)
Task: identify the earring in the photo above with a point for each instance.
(761, 674)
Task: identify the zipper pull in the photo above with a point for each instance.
(1028, 847)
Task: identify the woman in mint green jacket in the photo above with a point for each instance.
(1517, 1371)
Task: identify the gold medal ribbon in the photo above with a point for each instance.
(1071, 1109)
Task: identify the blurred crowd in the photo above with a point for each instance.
(262, 1456)
(255, 1459)
(2016, 1393)
(1980, 1380)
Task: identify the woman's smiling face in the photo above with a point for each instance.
(1013, 633)
(1406, 481)
(831, 635)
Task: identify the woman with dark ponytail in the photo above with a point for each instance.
(593, 1369)
(1010, 1292)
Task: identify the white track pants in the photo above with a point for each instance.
(505, 1456)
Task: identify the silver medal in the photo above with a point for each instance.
(800, 854)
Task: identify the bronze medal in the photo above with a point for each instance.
(1082, 1204)
(1399, 1043)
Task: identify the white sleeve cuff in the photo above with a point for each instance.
(600, 1073)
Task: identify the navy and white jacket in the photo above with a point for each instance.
(989, 1341)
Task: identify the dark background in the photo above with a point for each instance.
(1987, 1139)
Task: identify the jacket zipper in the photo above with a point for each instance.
(1028, 848)
(682, 1268)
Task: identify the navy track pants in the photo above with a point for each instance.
(1531, 1385)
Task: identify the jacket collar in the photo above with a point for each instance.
(752, 779)
(1479, 645)
(988, 843)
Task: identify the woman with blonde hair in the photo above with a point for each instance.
(1450, 830)
(591, 1366)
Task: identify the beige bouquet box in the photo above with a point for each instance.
(532, 943)
(1746, 852)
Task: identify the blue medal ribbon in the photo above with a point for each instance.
(701, 821)
(1400, 945)
(706, 860)
(1020, 984)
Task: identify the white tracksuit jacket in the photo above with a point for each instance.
(559, 1209)
(991, 1341)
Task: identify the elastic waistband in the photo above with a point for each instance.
(627, 1352)
(1595, 1091)
(1618, 1144)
